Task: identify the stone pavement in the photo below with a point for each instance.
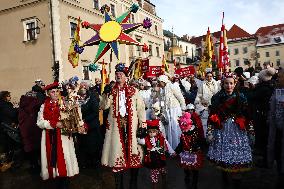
(101, 178)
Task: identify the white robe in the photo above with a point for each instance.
(204, 95)
(68, 150)
(174, 104)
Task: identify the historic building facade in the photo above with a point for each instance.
(36, 36)
(270, 45)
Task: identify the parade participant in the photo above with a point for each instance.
(155, 153)
(275, 145)
(90, 144)
(230, 132)
(205, 92)
(189, 149)
(155, 113)
(146, 96)
(121, 150)
(190, 108)
(58, 158)
(172, 102)
(260, 100)
(38, 88)
(31, 134)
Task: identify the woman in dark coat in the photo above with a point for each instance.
(260, 101)
(9, 117)
(31, 134)
(275, 147)
(90, 144)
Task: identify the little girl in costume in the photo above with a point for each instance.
(155, 149)
(189, 148)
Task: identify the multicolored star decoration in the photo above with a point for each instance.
(113, 32)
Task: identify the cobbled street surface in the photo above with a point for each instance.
(102, 178)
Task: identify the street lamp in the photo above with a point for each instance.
(37, 28)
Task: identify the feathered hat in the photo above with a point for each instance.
(185, 122)
(121, 68)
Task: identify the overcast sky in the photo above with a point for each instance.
(194, 16)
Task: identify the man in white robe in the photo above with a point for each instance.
(205, 92)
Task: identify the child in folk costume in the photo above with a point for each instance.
(155, 149)
(230, 131)
(189, 148)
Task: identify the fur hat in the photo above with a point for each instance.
(164, 78)
(190, 107)
(266, 75)
(148, 84)
(253, 80)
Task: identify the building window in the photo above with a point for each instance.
(30, 30)
(139, 49)
(236, 51)
(158, 51)
(267, 54)
(31, 34)
(73, 27)
(132, 18)
(246, 61)
(278, 62)
(86, 72)
(156, 30)
(150, 50)
(277, 53)
(237, 63)
(112, 9)
(229, 51)
(245, 50)
(96, 4)
(186, 48)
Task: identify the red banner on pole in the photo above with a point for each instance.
(153, 71)
(185, 72)
(145, 65)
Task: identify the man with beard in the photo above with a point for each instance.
(127, 112)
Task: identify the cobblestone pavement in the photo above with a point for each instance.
(102, 178)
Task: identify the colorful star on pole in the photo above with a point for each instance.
(114, 32)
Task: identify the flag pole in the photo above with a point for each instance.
(223, 15)
(223, 19)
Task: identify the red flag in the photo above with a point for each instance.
(223, 48)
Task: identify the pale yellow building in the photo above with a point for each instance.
(270, 45)
(36, 35)
(241, 51)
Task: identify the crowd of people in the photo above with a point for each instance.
(234, 120)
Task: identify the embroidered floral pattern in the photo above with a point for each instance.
(129, 160)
